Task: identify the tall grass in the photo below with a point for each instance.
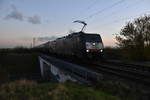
(123, 90)
(128, 54)
(20, 63)
(26, 90)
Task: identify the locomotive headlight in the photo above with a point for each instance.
(87, 50)
(101, 50)
(94, 44)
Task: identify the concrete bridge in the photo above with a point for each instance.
(61, 71)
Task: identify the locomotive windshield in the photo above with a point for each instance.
(93, 38)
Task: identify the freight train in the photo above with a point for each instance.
(78, 44)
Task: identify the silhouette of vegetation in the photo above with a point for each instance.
(3, 75)
(112, 53)
(18, 50)
(26, 62)
(29, 90)
(20, 63)
(122, 90)
(17, 62)
(134, 38)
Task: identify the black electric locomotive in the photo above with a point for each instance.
(78, 44)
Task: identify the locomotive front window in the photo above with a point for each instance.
(93, 38)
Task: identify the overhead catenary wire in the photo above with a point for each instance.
(104, 9)
(113, 13)
(83, 11)
(126, 18)
(92, 5)
(120, 10)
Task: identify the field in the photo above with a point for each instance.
(27, 90)
(20, 63)
(26, 62)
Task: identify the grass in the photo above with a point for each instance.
(17, 64)
(29, 90)
(26, 62)
(20, 63)
(124, 90)
(127, 54)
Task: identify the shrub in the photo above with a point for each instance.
(29, 90)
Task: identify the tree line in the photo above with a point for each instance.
(134, 39)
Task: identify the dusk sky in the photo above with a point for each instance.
(22, 20)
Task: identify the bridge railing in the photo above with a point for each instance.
(77, 72)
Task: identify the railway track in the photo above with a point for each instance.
(130, 72)
(131, 66)
(136, 73)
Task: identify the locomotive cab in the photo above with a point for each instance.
(93, 45)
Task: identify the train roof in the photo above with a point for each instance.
(75, 34)
(69, 36)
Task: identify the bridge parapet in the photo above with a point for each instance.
(63, 71)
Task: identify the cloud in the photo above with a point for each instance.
(43, 39)
(17, 15)
(14, 14)
(34, 19)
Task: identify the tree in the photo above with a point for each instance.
(135, 37)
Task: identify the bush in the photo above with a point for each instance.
(121, 90)
(112, 53)
(3, 75)
(28, 90)
(20, 63)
